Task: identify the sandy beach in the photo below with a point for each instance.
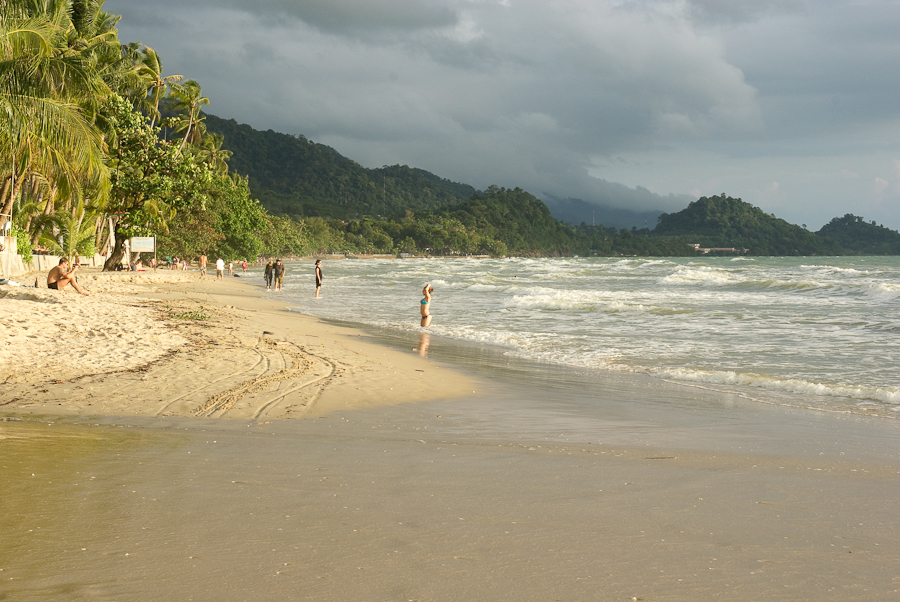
(171, 438)
(169, 343)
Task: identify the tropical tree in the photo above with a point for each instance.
(150, 179)
(46, 93)
(69, 234)
(150, 69)
(189, 101)
(211, 152)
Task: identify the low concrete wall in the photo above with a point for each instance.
(12, 265)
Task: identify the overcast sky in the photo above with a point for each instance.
(792, 105)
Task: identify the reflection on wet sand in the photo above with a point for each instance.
(424, 342)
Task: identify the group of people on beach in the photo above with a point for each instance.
(61, 276)
(274, 275)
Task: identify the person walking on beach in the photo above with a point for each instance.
(60, 276)
(230, 268)
(318, 276)
(220, 269)
(203, 265)
(425, 306)
(268, 274)
(278, 272)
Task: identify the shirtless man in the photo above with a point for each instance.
(58, 277)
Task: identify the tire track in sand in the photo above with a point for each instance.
(301, 364)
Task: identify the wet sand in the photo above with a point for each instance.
(548, 484)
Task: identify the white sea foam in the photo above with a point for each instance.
(890, 395)
(786, 326)
(701, 276)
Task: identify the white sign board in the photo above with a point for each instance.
(142, 244)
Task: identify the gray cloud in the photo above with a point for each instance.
(777, 102)
(343, 16)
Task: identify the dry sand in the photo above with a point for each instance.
(169, 343)
(128, 485)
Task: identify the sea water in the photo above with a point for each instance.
(812, 332)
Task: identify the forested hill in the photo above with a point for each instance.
(518, 220)
(721, 221)
(864, 238)
(291, 175)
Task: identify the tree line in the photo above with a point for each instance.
(82, 164)
(98, 144)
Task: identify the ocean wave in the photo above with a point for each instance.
(883, 289)
(701, 276)
(835, 269)
(569, 300)
(888, 395)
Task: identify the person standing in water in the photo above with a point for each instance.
(425, 306)
(278, 273)
(318, 276)
(269, 274)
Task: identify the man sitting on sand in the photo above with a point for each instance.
(58, 277)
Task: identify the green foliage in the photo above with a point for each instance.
(69, 235)
(199, 315)
(295, 176)
(859, 237)
(150, 179)
(722, 221)
(222, 220)
(23, 243)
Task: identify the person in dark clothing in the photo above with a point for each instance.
(318, 276)
(269, 274)
(278, 272)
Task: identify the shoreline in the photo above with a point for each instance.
(547, 483)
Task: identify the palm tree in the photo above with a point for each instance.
(211, 152)
(150, 68)
(69, 234)
(189, 102)
(44, 88)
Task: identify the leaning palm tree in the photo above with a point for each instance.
(44, 88)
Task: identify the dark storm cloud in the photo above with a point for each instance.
(789, 104)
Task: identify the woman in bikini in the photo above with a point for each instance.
(424, 306)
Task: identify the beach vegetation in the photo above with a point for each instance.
(98, 144)
(197, 315)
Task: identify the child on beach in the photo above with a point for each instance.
(424, 306)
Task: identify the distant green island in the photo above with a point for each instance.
(98, 144)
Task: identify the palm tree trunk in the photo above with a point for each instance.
(5, 206)
(98, 232)
(186, 134)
